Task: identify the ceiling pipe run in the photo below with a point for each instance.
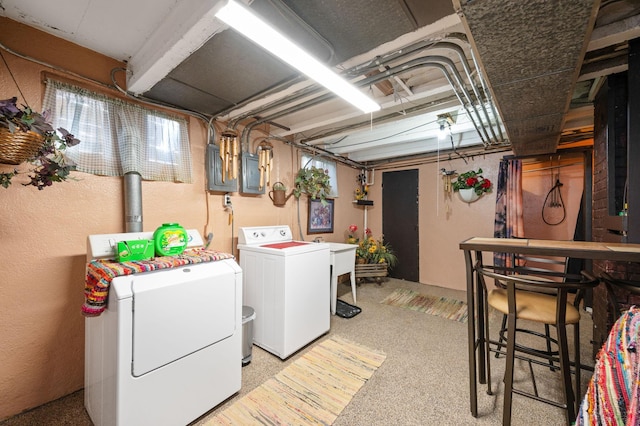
(410, 65)
(377, 120)
(467, 99)
(355, 72)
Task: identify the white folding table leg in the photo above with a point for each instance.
(334, 291)
(353, 285)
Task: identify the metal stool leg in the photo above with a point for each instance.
(576, 343)
(565, 369)
(508, 383)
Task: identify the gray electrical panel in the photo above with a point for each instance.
(250, 176)
(214, 172)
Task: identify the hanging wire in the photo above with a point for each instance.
(14, 79)
(453, 147)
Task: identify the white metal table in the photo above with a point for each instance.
(343, 261)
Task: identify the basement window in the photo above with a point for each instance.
(118, 137)
(322, 163)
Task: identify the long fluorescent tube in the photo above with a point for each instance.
(246, 23)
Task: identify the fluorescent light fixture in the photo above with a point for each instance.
(246, 23)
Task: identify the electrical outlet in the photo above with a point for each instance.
(227, 200)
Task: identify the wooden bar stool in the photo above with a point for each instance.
(510, 297)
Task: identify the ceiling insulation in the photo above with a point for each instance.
(531, 54)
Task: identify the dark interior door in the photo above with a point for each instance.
(400, 221)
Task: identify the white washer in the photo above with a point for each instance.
(287, 283)
(168, 348)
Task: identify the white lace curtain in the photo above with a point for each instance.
(118, 137)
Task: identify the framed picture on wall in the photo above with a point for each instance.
(320, 217)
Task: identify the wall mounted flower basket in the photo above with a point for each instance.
(471, 185)
(468, 195)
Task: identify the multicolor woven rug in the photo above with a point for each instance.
(440, 306)
(313, 390)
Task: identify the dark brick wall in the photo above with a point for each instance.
(599, 212)
(603, 313)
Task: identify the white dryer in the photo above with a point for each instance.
(168, 348)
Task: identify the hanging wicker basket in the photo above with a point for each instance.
(19, 146)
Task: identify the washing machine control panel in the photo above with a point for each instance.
(258, 235)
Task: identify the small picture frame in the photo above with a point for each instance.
(320, 219)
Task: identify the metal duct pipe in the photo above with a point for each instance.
(380, 119)
(457, 85)
(314, 150)
(467, 100)
(132, 202)
(358, 70)
(415, 63)
(480, 97)
(352, 72)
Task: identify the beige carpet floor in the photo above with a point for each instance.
(423, 381)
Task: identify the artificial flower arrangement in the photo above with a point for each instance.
(371, 250)
(49, 163)
(472, 180)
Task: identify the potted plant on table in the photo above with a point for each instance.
(471, 185)
(27, 136)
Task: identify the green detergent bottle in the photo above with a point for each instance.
(170, 239)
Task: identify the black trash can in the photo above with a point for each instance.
(248, 315)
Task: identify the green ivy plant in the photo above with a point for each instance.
(314, 182)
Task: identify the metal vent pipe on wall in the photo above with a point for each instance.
(133, 202)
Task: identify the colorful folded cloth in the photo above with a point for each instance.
(101, 272)
(613, 395)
